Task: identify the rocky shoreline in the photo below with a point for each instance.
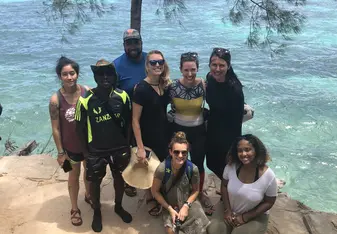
(35, 199)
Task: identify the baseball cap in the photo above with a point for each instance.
(131, 34)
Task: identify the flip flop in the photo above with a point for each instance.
(156, 210)
(75, 217)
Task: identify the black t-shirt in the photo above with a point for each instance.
(226, 103)
(153, 120)
(106, 121)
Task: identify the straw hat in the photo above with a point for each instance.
(138, 174)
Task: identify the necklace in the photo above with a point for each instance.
(153, 84)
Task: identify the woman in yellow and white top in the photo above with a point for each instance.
(187, 97)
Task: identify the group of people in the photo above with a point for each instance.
(129, 108)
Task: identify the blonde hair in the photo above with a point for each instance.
(180, 138)
(164, 79)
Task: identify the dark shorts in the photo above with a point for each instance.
(96, 165)
(75, 157)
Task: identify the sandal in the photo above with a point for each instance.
(207, 204)
(76, 218)
(130, 191)
(156, 209)
(205, 200)
(89, 201)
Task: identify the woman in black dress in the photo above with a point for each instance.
(225, 98)
(149, 121)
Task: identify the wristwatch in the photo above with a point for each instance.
(189, 204)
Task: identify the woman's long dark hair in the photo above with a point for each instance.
(231, 77)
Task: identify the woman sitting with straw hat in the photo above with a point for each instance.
(176, 187)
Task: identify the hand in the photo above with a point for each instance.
(141, 155)
(238, 221)
(173, 214)
(61, 158)
(228, 217)
(183, 213)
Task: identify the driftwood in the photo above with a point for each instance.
(26, 149)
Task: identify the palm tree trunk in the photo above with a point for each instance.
(136, 14)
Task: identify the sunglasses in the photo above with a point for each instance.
(154, 62)
(183, 152)
(221, 52)
(132, 42)
(189, 55)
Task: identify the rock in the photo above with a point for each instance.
(287, 216)
(34, 199)
(39, 167)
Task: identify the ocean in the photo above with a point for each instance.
(293, 94)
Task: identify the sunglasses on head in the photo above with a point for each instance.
(221, 52)
(189, 55)
(183, 152)
(154, 62)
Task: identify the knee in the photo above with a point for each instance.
(74, 178)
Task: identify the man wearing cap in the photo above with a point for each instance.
(103, 118)
(130, 68)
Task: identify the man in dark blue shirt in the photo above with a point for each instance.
(130, 68)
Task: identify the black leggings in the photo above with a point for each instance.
(196, 137)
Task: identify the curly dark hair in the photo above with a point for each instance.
(261, 153)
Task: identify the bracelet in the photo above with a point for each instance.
(189, 204)
(186, 205)
(61, 153)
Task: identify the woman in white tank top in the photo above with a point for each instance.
(248, 187)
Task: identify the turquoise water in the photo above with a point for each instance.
(294, 94)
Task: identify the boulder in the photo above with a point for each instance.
(35, 200)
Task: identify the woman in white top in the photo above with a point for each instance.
(248, 187)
